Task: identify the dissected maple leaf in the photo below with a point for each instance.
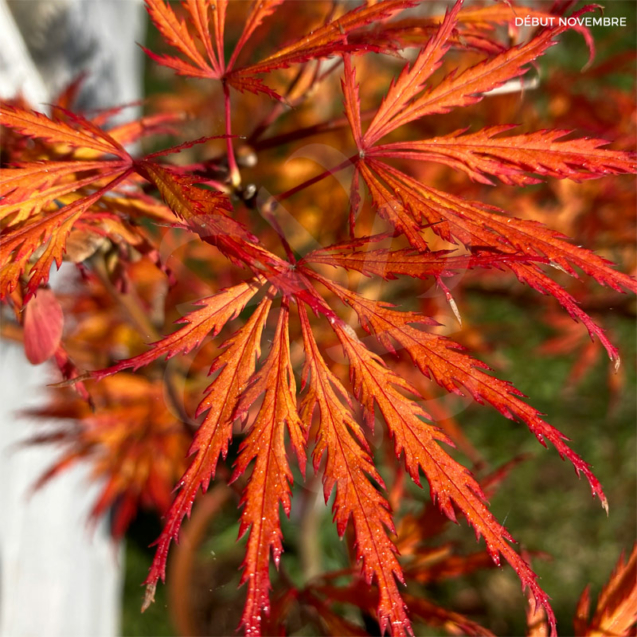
(450, 483)
(177, 33)
(79, 187)
(269, 483)
(348, 465)
(510, 158)
(215, 312)
(236, 365)
(408, 205)
(326, 41)
(36, 221)
(440, 359)
(61, 189)
(475, 224)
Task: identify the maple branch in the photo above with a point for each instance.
(273, 115)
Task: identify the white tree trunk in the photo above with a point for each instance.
(56, 578)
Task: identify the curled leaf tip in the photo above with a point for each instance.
(149, 596)
(70, 382)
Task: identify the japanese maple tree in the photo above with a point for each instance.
(308, 363)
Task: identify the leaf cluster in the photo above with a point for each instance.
(72, 190)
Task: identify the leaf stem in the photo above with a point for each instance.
(350, 161)
(308, 131)
(277, 111)
(267, 211)
(280, 107)
(235, 175)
